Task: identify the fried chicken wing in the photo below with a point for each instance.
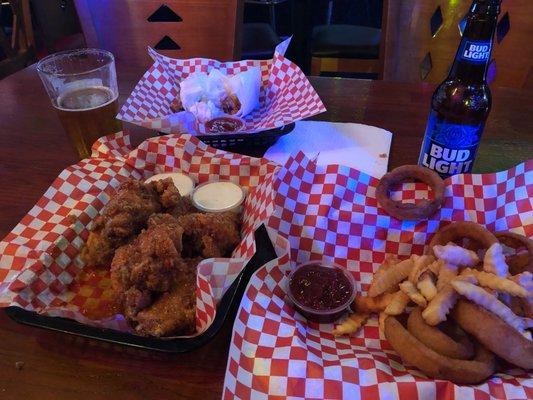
(125, 216)
(154, 239)
(122, 218)
(157, 287)
(169, 196)
(183, 207)
(210, 235)
(174, 312)
(151, 261)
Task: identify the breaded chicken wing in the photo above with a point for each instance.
(174, 312)
(210, 235)
(125, 216)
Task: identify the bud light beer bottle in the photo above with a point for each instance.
(461, 104)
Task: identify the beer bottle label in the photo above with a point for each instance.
(449, 148)
(476, 52)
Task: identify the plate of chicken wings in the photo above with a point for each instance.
(152, 239)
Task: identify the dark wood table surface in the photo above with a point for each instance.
(34, 150)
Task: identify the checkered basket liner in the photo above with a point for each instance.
(331, 212)
(285, 96)
(39, 259)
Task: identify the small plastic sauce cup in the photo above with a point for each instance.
(219, 196)
(224, 125)
(321, 291)
(183, 183)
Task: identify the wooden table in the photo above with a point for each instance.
(34, 149)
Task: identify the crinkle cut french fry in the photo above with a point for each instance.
(390, 277)
(488, 301)
(421, 265)
(438, 308)
(410, 290)
(398, 303)
(502, 285)
(351, 324)
(456, 255)
(367, 304)
(426, 285)
(494, 261)
(447, 272)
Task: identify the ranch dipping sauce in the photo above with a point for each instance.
(218, 196)
(321, 292)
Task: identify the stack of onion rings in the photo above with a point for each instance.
(447, 342)
(494, 333)
(408, 211)
(436, 365)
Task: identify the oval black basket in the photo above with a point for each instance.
(258, 139)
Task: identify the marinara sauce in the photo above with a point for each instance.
(321, 292)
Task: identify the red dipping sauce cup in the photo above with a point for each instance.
(321, 291)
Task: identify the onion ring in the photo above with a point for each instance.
(517, 263)
(456, 346)
(435, 365)
(459, 230)
(493, 333)
(408, 211)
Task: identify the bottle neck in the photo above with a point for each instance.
(473, 56)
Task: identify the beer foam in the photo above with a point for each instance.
(84, 98)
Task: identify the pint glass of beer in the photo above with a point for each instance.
(82, 85)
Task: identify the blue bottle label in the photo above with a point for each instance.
(476, 52)
(448, 148)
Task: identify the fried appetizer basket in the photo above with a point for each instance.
(332, 212)
(40, 266)
(285, 94)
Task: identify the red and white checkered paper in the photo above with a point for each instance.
(39, 258)
(285, 96)
(331, 212)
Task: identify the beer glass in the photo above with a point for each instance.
(82, 85)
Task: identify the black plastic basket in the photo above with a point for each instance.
(264, 253)
(231, 140)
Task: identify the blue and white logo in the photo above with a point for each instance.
(476, 52)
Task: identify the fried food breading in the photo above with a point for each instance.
(174, 312)
(169, 196)
(502, 285)
(421, 265)
(447, 272)
(398, 303)
(390, 277)
(443, 302)
(456, 255)
(445, 339)
(494, 261)
(372, 304)
(147, 263)
(489, 302)
(157, 286)
(210, 235)
(435, 365)
(122, 218)
(351, 325)
(410, 290)
(494, 333)
(172, 227)
(426, 285)
(183, 207)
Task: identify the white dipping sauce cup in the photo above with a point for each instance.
(218, 196)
